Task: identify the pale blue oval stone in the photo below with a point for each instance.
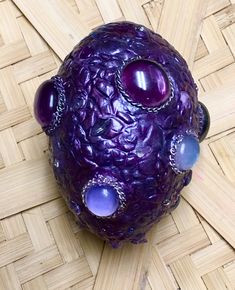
(187, 153)
(102, 200)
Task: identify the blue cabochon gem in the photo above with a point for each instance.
(187, 153)
(101, 200)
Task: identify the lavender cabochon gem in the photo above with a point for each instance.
(103, 197)
(187, 153)
(101, 200)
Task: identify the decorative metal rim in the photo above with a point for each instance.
(201, 117)
(167, 203)
(126, 95)
(177, 139)
(101, 180)
(57, 116)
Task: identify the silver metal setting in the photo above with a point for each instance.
(101, 180)
(126, 95)
(166, 202)
(59, 86)
(201, 117)
(169, 203)
(74, 206)
(177, 139)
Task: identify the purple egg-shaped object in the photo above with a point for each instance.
(124, 126)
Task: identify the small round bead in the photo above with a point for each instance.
(187, 153)
(102, 200)
(146, 83)
(45, 103)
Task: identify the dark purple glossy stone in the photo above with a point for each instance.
(204, 121)
(146, 83)
(45, 103)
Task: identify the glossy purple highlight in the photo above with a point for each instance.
(146, 83)
(45, 103)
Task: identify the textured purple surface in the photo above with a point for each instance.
(102, 133)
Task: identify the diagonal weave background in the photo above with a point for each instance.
(41, 247)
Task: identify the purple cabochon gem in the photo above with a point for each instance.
(45, 103)
(187, 153)
(146, 83)
(102, 200)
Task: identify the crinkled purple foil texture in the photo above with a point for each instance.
(101, 133)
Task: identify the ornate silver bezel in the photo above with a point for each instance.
(126, 95)
(101, 180)
(56, 119)
(201, 116)
(166, 202)
(177, 139)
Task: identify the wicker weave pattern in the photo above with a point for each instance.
(41, 247)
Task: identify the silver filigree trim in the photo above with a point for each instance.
(171, 202)
(101, 180)
(177, 139)
(201, 117)
(166, 202)
(57, 116)
(126, 95)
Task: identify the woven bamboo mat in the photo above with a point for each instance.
(41, 247)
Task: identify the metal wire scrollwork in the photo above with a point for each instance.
(57, 116)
